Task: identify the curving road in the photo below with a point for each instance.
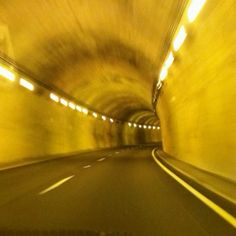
(109, 192)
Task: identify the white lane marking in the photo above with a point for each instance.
(57, 184)
(101, 159)
(86, 166)
(217, 209)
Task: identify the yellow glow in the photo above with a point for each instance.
(169, 61)
(153, 127)
(149, 127)
(72, 105)
(140, 126)
(26, 84)
(158, 127)
(194, 8)
(111, 120)
(135, 125)
(63, 102)
(54, 97)
(163, 74)
(179, 38)
(129, 124)
(85, 111)
(78, 108)
(144, 126)
(104, 118)
(7, 74)
(95, 114)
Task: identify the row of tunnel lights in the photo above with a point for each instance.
(4, 72)
(192, 12)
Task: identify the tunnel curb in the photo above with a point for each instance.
(219, 198)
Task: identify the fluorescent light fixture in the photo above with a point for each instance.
(179, 38)
(158, 127)
(95, 114)
(144, 126)
(135, 125)
(111, 120)
(149, 127)
(129, 124)
(54, 97)
(26, 84)
(63, 102)
(169, 61)
(7, 74)
(140, 126)
(78, 108)
(104, 118)
(85, 111)
(163, 74)
(72, 105)
(194, 8)
(153, 127)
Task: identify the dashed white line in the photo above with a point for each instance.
(101, 159)
(217, 209)
(57, 184)
(86, 166)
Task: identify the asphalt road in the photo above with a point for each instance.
(114, 191)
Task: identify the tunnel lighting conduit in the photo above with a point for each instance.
(8, 73)
(191, 13)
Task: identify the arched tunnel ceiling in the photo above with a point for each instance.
(104, 53)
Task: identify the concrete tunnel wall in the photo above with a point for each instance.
(34, 127)
(197, 102)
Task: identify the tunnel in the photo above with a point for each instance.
(117, 117)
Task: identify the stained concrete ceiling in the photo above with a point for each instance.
(105, 53)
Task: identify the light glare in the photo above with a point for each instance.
(135, 125)
(111, 120)
(63, 102)
(144, 126)
(163, 74)
(26, 84)
(54, 97)
(95, 114)
(7, 74)
(72, 105)
(179, 38)
(129, 124)
(78, 108)
(169, 61)
(85, 111)
(194, 8)
(104, 118)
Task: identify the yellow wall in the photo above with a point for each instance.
(197, 105)
(32, 126)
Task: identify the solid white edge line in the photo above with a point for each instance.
(101, 159)
(57, 184)
(217, 209)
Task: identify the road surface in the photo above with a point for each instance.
(108, 192)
